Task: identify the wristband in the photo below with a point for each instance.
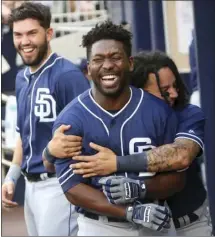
(48, 156)
(142, 189)
(132, 163)
(129, 213)
(13, 174)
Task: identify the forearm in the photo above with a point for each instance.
(46, 162)
(165, 185)
(95, 201)
(18, 153)
(14, 171)
(169, 157)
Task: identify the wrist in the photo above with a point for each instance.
(127, 164)
(13, 174)
(48, 156)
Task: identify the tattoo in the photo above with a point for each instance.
(176, 156)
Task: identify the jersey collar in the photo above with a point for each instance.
(46, 63)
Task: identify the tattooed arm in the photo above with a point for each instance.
(176, 156)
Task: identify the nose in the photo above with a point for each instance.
(107, 64)
(25, 40)
(173, 93)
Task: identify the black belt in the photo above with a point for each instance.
(96, 217)
(185, 220)
(38, 177)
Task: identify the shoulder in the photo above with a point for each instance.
(63, 66)
(72, 110)
(66, 70)
(66, 65)
(191, 111)
(156, 104)
(21, 74)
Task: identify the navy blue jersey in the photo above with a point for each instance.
(143, 123)
(191, 126)
(40, 98)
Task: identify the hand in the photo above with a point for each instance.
(63, 146)
(102, 163)
(122, 190)
(8, 189)
(150, 215)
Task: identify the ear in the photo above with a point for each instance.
(88, 68)
(131, 62)
(49, 34)
(150, 82)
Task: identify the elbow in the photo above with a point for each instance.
(184, 162)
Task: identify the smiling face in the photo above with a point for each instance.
(109, 67)
(167, 84)
(31, 41)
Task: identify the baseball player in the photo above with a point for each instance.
(189, 213)
(112, 114)
(43, 88)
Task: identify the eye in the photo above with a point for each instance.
(17, 35)
(97, 60)
(116, 58)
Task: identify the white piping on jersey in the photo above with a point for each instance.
(30, 137)
(121, 130)
(112, 115)
(66, 179)
(191, 140)
(191, 135)
(94, 115)
(25, 75)
(64, 174)
(41, 64)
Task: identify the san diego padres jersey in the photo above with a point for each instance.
(41, 95)
(143, 123)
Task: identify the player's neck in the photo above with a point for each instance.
(112, 103)
(35, 68)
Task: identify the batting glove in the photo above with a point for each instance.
(151, 216)
(122, 190)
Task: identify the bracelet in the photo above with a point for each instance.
(48, 156)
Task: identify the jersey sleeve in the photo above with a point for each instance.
(68, 86)
(191, 125)
(65, 175)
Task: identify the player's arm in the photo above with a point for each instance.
(60, 146)
(8, 187)
(124, 190)
(175, 156)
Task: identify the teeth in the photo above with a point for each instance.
(109, 77)
(28, 50)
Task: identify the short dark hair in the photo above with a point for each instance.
(107, 30)
(151, 62)
(31, 10)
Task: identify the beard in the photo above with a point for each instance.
(42, 52)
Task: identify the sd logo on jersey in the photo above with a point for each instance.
(45, 107)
